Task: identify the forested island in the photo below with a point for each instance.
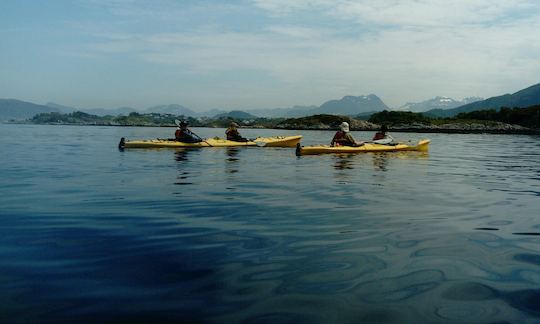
(504, 120)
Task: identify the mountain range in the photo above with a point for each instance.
(524, 98)
(12, 109)
(20, 110)
(348, 105)
(437, 103)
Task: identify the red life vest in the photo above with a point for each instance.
(337, 137)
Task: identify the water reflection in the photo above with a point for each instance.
(347, 161)
(181, 155)
(380, 161)
(231, 165)
(344, 162)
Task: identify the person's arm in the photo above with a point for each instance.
(333, 140)
(349, 138)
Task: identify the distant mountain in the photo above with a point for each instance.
(295, 111)
(236, 114)
(211, 112)
(348, 105)
(109, 111)
(300, 111)
(437, 103)
(62, 108)
(12, 109)
(173, 109)
(523, 98)
(94, 111)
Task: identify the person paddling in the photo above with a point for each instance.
(381, 137)
(183, 134)
(344, 138)
(233, 134)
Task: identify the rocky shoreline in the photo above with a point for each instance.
(490, 127)
(467, 128)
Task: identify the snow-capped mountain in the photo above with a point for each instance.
(438, 102)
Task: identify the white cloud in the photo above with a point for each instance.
(412, 50)
(407, 12)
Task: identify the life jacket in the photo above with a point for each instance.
(340, 140)
(339, 135)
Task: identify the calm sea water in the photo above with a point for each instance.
(90, 233)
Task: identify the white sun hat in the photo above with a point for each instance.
(344, 127)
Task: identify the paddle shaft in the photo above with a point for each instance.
(203, 140)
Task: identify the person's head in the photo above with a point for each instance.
(234, 125)
(344, 127)
(384, 129)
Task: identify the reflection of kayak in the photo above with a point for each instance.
(422, 145)
(275, 141)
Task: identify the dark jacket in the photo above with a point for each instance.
(234, 135)
(186, 136)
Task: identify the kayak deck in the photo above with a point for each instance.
(275, 141)
(422, 145)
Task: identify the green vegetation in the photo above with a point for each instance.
(484, 120)
(133, 119)
(73, 118)
(527, 117)
(302, 122)
(392, 118)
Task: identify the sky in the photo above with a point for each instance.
(254, 54)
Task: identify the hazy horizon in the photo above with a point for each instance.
(247, 55)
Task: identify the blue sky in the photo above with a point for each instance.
(251, 54)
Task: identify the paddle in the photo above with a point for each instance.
(177, 122)
(258, 143)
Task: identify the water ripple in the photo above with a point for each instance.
(91, 233)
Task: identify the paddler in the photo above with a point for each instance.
(344, 138)
(183, 134)
(381, 137)
(233, 134)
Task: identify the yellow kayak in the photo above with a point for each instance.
(275, 141)
(422, 145)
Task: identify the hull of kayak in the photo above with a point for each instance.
(276, 141)
(422, 146)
